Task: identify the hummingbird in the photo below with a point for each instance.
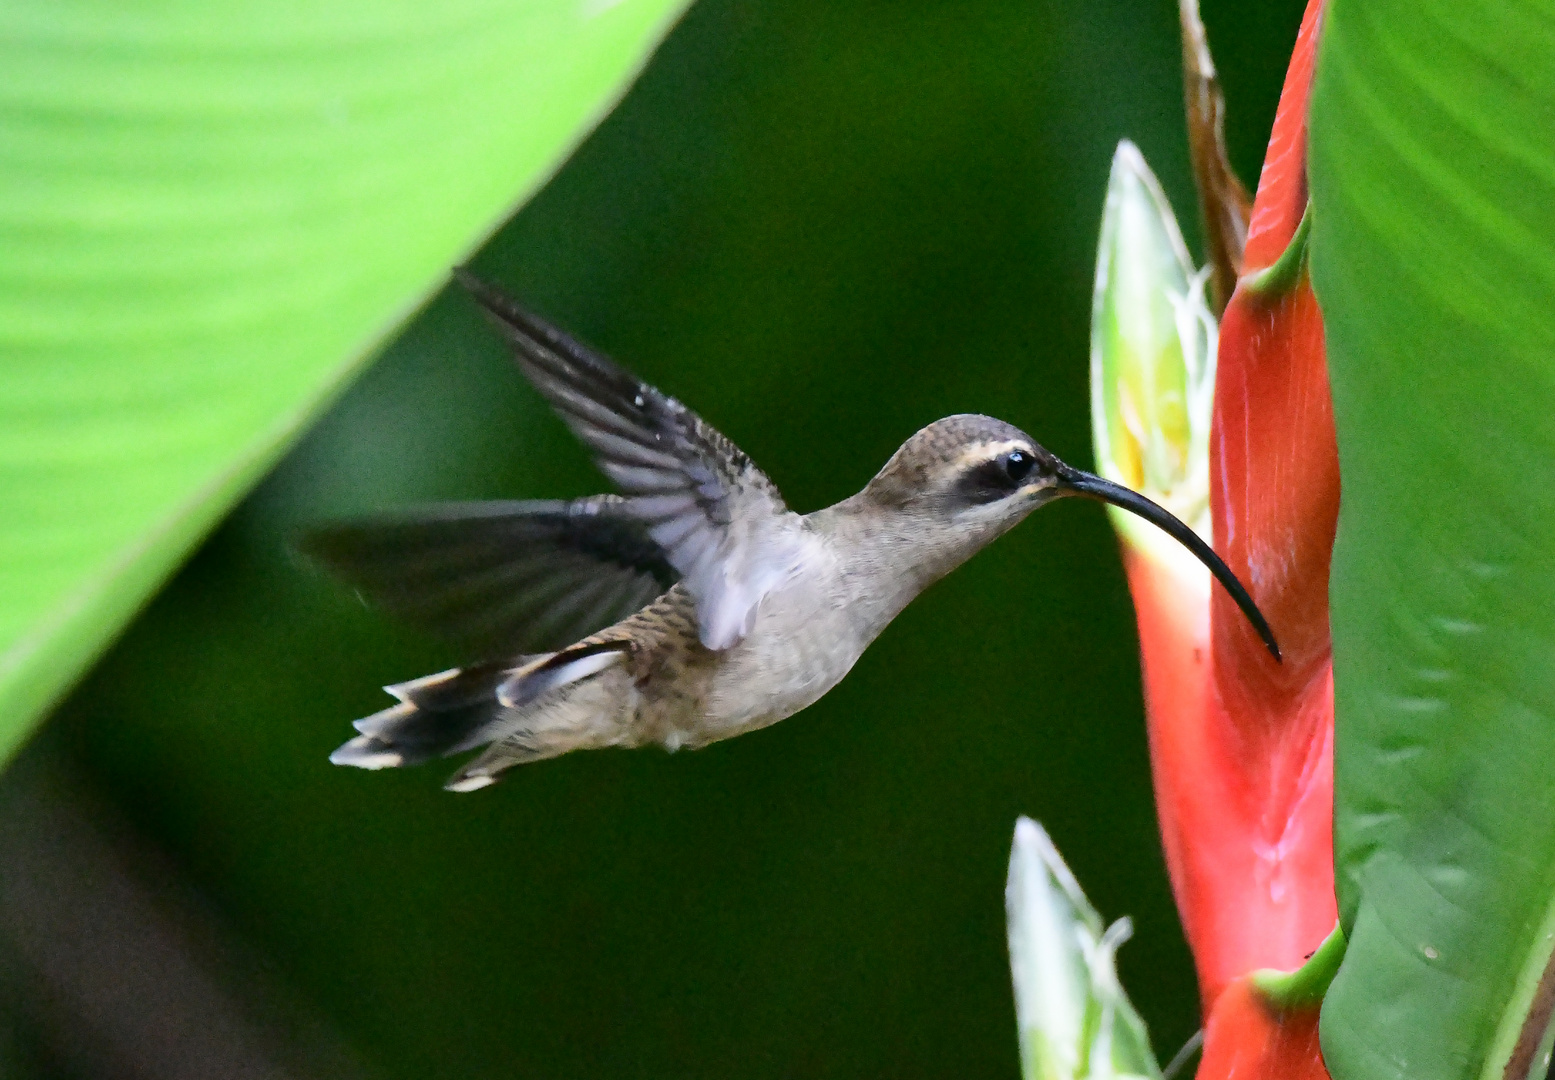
(695, 605)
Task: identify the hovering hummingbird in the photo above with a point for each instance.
(695, 607)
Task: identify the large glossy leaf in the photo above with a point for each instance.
(1433, 254)
(209, 214)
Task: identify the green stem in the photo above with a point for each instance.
(1303, 988)
(1282, 277)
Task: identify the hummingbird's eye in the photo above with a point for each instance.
(1018, 463)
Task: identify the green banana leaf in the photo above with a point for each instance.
(210, 215)
(1433, 254)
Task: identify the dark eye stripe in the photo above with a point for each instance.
(987, 481)
(997, 478)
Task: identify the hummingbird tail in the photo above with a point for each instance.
(551, 705)
(435, 716)
(519, 705)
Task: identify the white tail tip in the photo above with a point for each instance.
(470, 783)
(365, 752)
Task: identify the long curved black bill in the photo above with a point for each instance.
(1072, 481)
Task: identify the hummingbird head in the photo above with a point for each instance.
(965, 480)
(977, 475)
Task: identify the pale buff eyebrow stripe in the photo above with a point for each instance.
(984, 452)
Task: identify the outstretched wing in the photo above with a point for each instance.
(720, 521)
(502, 577)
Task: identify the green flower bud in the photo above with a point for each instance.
(1075, 1021)
(1153, 341)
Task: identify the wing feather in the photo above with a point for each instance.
(502, 577)
(720, 521)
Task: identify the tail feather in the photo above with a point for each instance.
(534, 680)
(464, 708)
(435, 716)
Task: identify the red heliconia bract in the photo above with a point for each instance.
(1242, 746)
(1247, 1038)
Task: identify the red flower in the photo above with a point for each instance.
(1242, 746)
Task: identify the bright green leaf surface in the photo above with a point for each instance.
(1433, 179)
(209, 213)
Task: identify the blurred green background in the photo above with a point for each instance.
(822, 225)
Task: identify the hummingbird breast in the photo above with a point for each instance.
(801, 643)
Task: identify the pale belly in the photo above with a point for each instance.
(787, 663)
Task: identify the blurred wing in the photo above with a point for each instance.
(720, 521)
(502, 577)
